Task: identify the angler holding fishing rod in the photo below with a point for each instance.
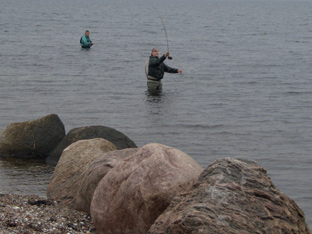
(156, 70)
(157, 67)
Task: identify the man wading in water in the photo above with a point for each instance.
(156, 70)
(85, 40)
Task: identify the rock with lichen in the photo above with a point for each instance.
(232, 196)
(32, 139)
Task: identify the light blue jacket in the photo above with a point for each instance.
(85, 42)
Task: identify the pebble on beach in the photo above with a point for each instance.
(33, 214)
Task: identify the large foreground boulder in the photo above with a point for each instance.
(75, 160)
(94, 174)
(232, 196)
(120, 140)
(138, 189)
(32, 139)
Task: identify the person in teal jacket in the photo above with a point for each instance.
(85, 40)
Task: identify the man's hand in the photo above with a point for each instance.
(179, 71)
(167, 54)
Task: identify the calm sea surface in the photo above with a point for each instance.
(245, 91)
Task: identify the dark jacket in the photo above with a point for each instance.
(156, 67)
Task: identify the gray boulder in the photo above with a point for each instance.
(232, 196)
(120, 140)
(32, 139)
(68, 175)
(94, 174)
(139, 188)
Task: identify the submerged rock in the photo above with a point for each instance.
(120, 140)
(138, 189)
(32, 139)
(232, 196)
(68, 174)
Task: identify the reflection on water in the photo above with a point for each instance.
(153, 97)
(21, 176)
(155, 103)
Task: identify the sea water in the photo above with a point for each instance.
(245, 91)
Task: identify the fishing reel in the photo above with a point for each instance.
(168, 56)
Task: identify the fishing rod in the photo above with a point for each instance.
(163, 24)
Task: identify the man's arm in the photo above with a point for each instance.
(157, 61)
(170, 69)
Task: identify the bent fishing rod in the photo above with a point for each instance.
(163, 24)
(164, 27)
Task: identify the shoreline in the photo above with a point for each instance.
(34, 214)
